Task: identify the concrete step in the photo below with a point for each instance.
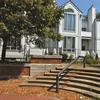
(69, 76)
(97, 79)
(50, 74)
(81, 70)
(68, 88)
(85, 70)
(84, 81)
(45, 79)
(94, 85)
(52, 78)
(79, 85)
(86, 73)
(42, 81)
(74, 72)
(26, 84)
(55, 71)
(84, 92)
(83, 86)
(59, 68)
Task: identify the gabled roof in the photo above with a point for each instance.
(73, 5)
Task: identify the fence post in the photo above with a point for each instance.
(57, 83)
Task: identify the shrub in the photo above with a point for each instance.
(89, 59)
(78, 62)
(64, 57)
(71, 56)
(98, 61)
(50, 53)
(94, 61)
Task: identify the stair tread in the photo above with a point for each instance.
(42, 81)
(86, 92)
(74, 76)
(88, 73)
(81, 70)
(47, 73)
(66, 83)
(89, 93)
(77, 81)
(36, 84)
(81, 85)
(84, 76)
(69, 84)
(85, 81)
(76, 72)
(70, 79)
(75, 68)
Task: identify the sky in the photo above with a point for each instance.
(83, 5)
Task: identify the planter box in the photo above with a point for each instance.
(46, 59)
(14, 70)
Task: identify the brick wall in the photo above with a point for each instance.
(14, 70)
(46, 60)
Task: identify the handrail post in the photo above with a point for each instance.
(84, 61)
(57, 83)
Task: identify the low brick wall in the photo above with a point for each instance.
(26, 69)
(46, 59)
(14, 70)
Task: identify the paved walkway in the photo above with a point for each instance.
(27, 98)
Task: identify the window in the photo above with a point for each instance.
(85, 44)
(84, 23)
(69, 10)
(69, 22)
(14, 43)
(84, 29)
(69, 43)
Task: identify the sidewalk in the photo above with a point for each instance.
(27, 98)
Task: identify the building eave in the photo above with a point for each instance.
(73, 5)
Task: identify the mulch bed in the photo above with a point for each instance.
(11, 88)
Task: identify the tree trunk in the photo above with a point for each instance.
(4, 50)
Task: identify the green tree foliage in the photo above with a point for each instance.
(98, 15)
(35, 18)
(44, 16)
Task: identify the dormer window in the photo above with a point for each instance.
(69, 20)
(69, 10)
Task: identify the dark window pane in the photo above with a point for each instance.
(69, 22)
(69, 44)
(64, 42)
(14, 43)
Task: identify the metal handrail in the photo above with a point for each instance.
(59, 75)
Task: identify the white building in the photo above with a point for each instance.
(81, 35)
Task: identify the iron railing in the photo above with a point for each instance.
(61, 74)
